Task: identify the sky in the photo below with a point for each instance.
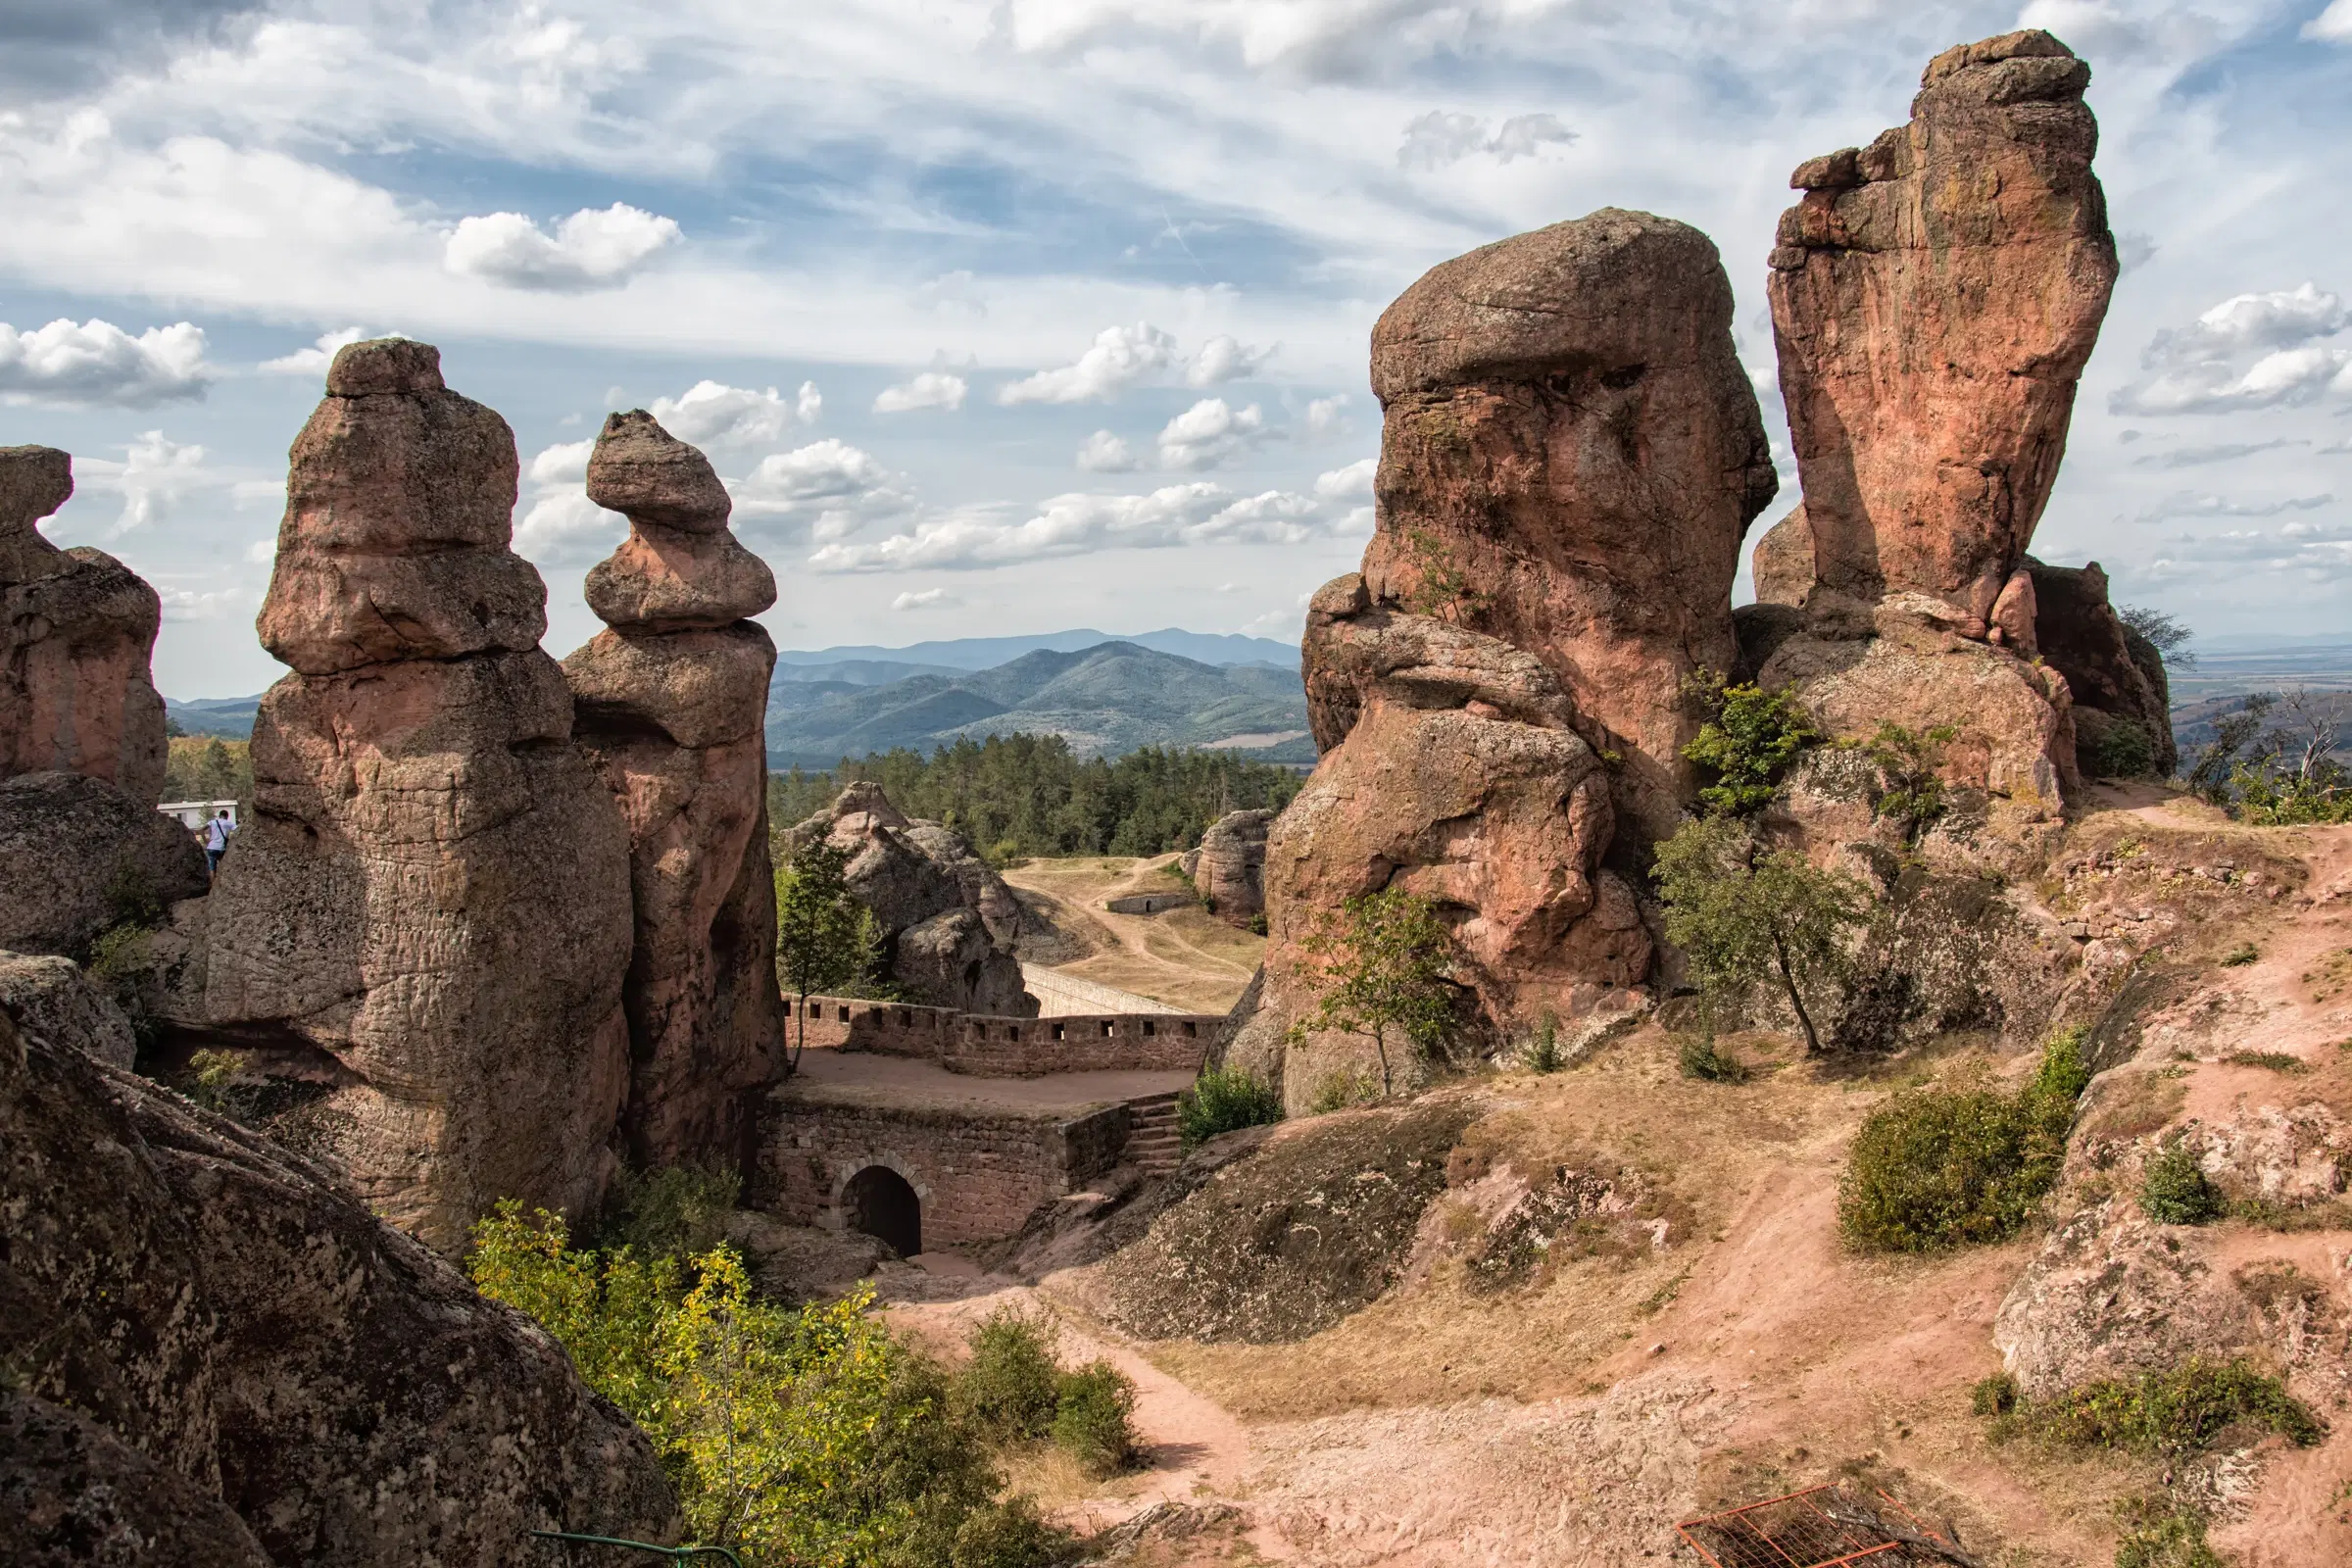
(1016, 315)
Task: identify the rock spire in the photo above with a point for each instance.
(671, 703)
(433, 891)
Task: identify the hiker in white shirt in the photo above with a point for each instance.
(215, 841)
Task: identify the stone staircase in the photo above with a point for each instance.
(1153, 1143)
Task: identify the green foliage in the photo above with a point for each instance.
(1701, 1060)
(1996, 1394)
(1337, 1091)
(2210, 775)
(808, 1436)
(2166, 635)
(1743, 918)
(1750, 740)
(677, 1212)
(1094, 1418)
(2268, 1060)
(2239, 957)
(2267, 799)
(207, 767)
(825, 939)
(2174, 1188)
(1222, 1100)
(1442, 588)
(1029, 795)
(1011, 1386)
(2180, 1411)
(1936, 1168)
(1542, 1052)
(2123, 748)
(1907, 764)
(2160, 1535)
(1382, 964)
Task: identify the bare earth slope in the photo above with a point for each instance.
(1185, 956)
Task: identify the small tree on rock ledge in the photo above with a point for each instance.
(824, 937)
(1383, 964)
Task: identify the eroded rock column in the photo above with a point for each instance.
(76, 633)
(671, 703)
(434, 892)
(1569, 456)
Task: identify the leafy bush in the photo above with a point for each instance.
(1009, 1534)
(1702, 1060)
(1542, 1052)
(678, 1212)
(796, 1437)
(2121, 749)
(1937, 1168)
(2162, 1535)
(1094, 1418)
(1908, 764)
(1011, 1386)
(2176, 1413)
(1750, 740)
(1382, 962)
(1341, 1088)
(1993, 1395)
(2174, 1191)
(1222, 1100)
(2063, 1073)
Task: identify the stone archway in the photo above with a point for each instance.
(880, 1202)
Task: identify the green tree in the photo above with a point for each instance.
(1750, 740)
(1746, 917)
(1383, 964)
(824, 937)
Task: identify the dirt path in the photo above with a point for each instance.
(1185, 957)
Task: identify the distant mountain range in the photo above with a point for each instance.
(1106, 696)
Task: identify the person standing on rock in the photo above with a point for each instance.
(215, 841)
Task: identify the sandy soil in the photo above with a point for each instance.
(1185, 957)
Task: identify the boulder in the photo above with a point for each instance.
(52, 998)
(2122, 698)
(1569, 456)
(433, 887)
(1230, 870)
(1462, 780)
(82, 856)
(1935, 297)
(256, 1366)
(76, 632)
(948, 922)
(671, 704)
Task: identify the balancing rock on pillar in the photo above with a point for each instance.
(1935, 297)
(434, 890)
(76, 633)
(672, 705)
(1570, 455)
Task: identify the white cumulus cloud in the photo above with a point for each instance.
(2203, 367)
(712, 413)
(592, 249)
(932, 389)
(314, 360)
(1209, 433)
(155, 476)
(97, 362)
(1327, 418)
(1351, 483)
(1104, 453)
(824, 491)
(1120, 357)
(2331, 25)
(924, 598)
(1442, 138)
(562, 527)
(1225, 359)
(2191, 503)
(565, 462)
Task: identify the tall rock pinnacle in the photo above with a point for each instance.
(76, 632)
(673, 702)
(434, 892)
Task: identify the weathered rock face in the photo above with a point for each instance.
(435, 887)
(81, 855)
(1569, 456)
(1460, 779)
(671, 704)
(230, 1332)
(52, 998)
(1230, 867)
(949, 922)
(76, 631)
(1935, 297)
(2116, 676)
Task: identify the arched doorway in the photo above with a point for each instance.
(878, 1201)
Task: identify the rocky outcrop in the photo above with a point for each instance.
(433, 887)
(1569, 456)
(948, 922)
(2121, 699)
(669, 703)
(52, 998)
(1228, 868)
(1461, 779)
(1935, 297)
(82, 856)
(76, 631)
(258, 1367)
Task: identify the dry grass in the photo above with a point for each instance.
(1185, 957)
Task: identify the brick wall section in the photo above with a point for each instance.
(1010, 1048)
(978, 1176)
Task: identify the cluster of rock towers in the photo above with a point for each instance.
(1571, 456)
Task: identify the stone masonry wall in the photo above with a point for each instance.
(1007, 1047)
(978, 1176)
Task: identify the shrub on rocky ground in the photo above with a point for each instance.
(679, 1212)
(1094, 1418)
(1224, 1101)
(2174, 1191)
(1701, 1059)
(2158, 1534)
(2184, 1410)
(1010, 1386)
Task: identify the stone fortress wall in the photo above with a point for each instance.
(983, 1046)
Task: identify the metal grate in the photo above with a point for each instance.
(1820, 1527)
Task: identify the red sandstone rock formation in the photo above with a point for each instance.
(1569, 456)
(76, 631)
(1461, 779)
(948, 922)
(2117, 675)
(1229, 868)
(1935, 297)
(435, 887)
(670, 704)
